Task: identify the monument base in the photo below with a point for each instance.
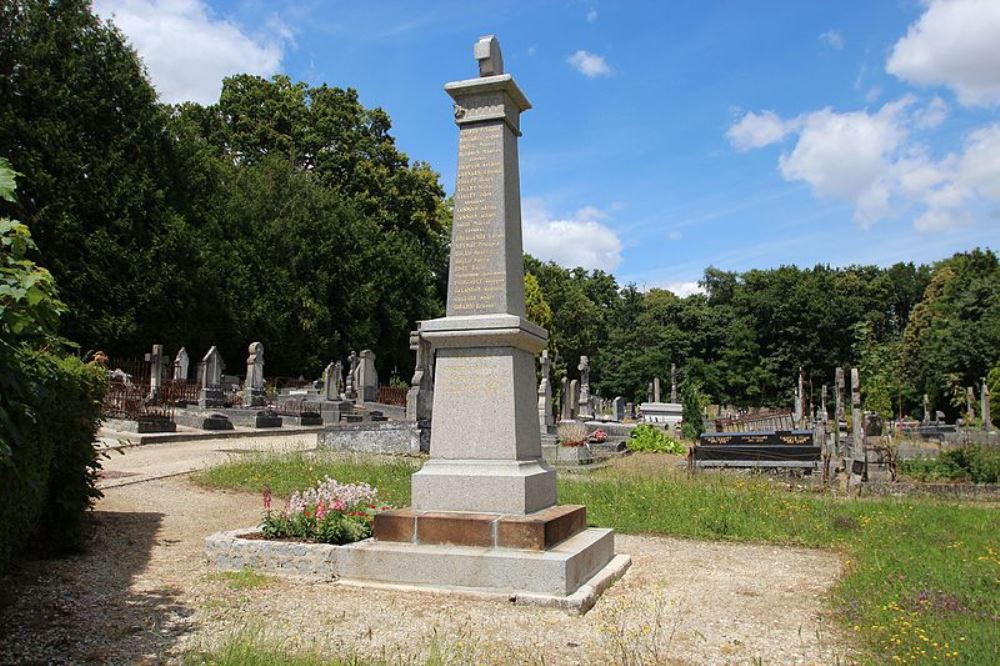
(211, 396)
(571, 575)
(487, 486)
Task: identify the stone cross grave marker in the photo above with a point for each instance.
(546, 422)
(857, 419)
(157, 362)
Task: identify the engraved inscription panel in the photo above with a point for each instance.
(478, 279)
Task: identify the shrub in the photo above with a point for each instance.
(646, 438)
(49, 405)
(47, 482)
(331, 512)
(973, 462)
(693, 421)
(571, 433)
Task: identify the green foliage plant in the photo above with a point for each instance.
(49, 406)
(330, 512)
(693, 419)
(647, 438)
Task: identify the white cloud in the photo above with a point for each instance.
(845, 155)
(755, 130)
(589, 64)
(872, 161)
(682, 289)
(591, 15)
(188, 52)
(833, 39)
(931, 115)
(954, 43)
(577, 240)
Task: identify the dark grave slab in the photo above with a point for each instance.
(792, 446)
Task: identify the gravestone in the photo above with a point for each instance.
(157, 362)
(984, 406)
(857, 447)
(574, 398)
(253, 387)
(367, 381)
(210, 369)
(585, 402)
(618, 409)
(420, 397)
(565, 403)
(673, 383)
(927, 409)
(797, 417)
(351, 392)
(331, 381)
(970, 399)
(656, 389)
(822, 402)
(838, 411)
(649, 392)
(485, 498)
(181, 363)
(546, 422)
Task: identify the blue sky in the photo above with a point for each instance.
(665, 136)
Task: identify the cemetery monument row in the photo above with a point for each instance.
(486, 485)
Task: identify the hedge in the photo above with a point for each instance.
(49, 466)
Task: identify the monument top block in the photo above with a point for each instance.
(487, 52)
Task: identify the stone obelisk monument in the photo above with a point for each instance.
(486, 489)
(485, 443)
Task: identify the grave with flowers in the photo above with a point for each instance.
(484, 517)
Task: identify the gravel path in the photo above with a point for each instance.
(143, 594)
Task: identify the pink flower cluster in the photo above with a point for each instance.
(331, 494)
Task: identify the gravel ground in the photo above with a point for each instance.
(144, 594)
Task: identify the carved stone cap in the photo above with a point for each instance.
(487, 53)
(500, 83)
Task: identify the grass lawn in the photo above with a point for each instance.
(923, 576)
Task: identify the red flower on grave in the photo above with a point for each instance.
(267, 498)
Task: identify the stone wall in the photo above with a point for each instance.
(385, 437)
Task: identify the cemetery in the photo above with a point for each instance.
(287, 396)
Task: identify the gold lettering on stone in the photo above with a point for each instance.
(471, 375)
(478, 281)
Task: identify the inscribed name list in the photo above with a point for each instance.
(478, 281)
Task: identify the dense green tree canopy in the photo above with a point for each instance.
(908, 328)
(284, 213)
